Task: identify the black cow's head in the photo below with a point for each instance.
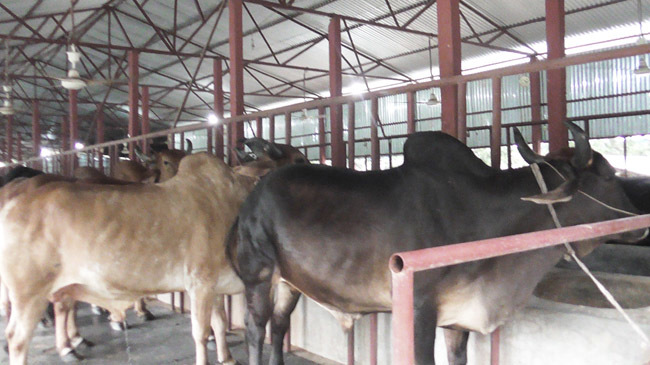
(265, 156)
(588, 181)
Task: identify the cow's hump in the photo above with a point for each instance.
(440, 151)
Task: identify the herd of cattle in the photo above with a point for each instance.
(192, 223)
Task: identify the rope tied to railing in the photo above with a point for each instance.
(571, 252)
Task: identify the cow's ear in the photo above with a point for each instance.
(562, 193)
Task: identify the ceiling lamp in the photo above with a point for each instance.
(643, 68)
(433, 99)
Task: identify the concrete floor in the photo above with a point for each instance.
(165, 340)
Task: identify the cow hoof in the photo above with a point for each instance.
(146, 316)
(69, 355)
(118, 326)
(81, 344)
(229, 362)
(97, 310)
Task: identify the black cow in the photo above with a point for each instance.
(329, 232)
(17, 172)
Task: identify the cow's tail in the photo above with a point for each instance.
(231, 246)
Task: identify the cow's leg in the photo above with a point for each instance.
(25, 316)
(219, 326)
(141, 309)
(5, 305)
(62, 310)
(425, 318)
(456, 346)
(118, 321)
(77, 342)
(286, 298)
(258, 302)
(202, 300)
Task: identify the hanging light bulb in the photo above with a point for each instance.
(643, 68)
(433, 100)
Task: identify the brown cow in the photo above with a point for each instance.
(110, 230)
(162, 166)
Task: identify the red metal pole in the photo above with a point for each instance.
(217, 74)
(100, 138)
(373, 339)
(449, 54)
(462, 112)
(350, 334)
(287, 128)
(36, 133)
(236, 72)
(495, 131)
(495, 339)
(351, 137)
(336, 87)
(182, 142)
(411, 107)
(74, 128)
(272, 128)
(145, 117)
(374, 137)
(322, 150)
(65, 130)
(403, 333)
(404, 264)
(259, 127)
(536, 109)
(133, 59)
(556, 79)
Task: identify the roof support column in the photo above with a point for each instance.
(74, 128)
(495, 131)
(287, 128)
(375, 152)
(462, 112)
(272, 128)
(536, 109)
(336, 89)
(322, 150)
(259, 127)
(100, 138)
(411, 106)
(65, 144)
(236, 132)
(450, 60)
(351, 137)
(217, 76)
(556, 79)
(133, 58)
(36, 133)
(145, 125)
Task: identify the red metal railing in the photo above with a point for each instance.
(404, 264)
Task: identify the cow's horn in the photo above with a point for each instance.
(529, 155)
(562, 193)
(582, 157)
(242, 156)
(189, 148)
(144, 158)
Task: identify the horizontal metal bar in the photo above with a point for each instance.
(436, 257)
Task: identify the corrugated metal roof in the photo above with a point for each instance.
(387, 53)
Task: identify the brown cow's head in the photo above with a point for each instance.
(265, 156)
(164, 161)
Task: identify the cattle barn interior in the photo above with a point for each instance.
(345, 82)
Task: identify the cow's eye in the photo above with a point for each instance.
(165, 162)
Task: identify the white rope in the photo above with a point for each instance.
(571, 251)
